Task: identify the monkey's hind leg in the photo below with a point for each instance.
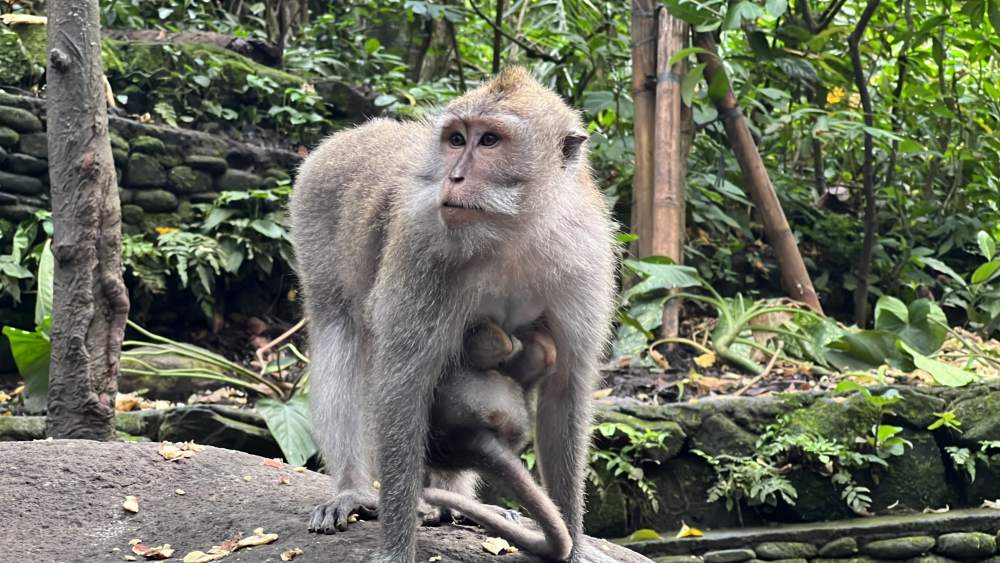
(339, 412)
(462, 483)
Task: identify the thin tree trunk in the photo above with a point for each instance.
(458, 54)
(669, 167)
(497, 36)
(644, 29)
(794, 276)
(867, 169)
(90, 303)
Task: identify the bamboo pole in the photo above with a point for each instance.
(794, 276)
(644, 100)
(669, 165)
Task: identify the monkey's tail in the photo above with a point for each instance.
(556, 546)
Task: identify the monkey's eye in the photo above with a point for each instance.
(456, 140)
(489, 139)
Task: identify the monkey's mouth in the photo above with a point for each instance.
(454, 213)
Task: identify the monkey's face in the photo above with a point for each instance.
(481, 182)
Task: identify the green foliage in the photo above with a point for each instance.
(965, 460)
(749, 480)
(291, 427)
(947, 420)
(621, 465)
(240, 235)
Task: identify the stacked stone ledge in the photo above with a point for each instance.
(944, 548)
(161, 170)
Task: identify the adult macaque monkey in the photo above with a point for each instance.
(406, 235)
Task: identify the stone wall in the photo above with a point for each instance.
(161, 170)
(924, 477)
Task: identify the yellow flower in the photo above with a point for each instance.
(165, 230)
(834, 95)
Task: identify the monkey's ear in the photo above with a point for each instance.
(571, 145)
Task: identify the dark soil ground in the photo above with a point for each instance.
(63, 503)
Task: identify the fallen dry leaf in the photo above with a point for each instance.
(134, 541)
(213, 554)
(496, 546)
(173, 452)
(705, 360)
(125, 402)
(937, 510)
(248, 477)
(258, 538)
(658, 359)
(290, 554)
(284, 480)
(435, 558)
(131, 504)
(179, 492)
(299, 469)
(158, 552)
(131, 558)
(994, 504)
(689, 532)
(4, 397)
(601, 393)
(274, 462)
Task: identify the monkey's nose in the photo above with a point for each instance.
(456, 179)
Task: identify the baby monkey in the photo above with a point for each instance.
(480, 421)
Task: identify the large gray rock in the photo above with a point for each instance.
(132, 214)
(17, 212)
(728, 556)
(840, 547)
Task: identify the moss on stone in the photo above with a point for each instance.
(186, 180)
(980, 416)
(8, 137)
(15, 65)
(147, 144)
(144, 171)
(19, 119)
(842, 420)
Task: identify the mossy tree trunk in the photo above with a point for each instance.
(90, 303)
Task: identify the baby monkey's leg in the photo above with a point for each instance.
(526, 355)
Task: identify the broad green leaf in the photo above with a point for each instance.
(690, 82)
(267, 228)
(683, 54)
(985, 272)
(941, 267)
(942, 373)
(987, 245)
(216, 217)
(46, 269)
(31, 355)
(922, 324)
(290, 425)
(776, 8)
(864, 350)
(660, 276)
(201, 80)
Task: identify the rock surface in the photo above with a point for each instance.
(65, 504)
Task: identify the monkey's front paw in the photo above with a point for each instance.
(335, 515)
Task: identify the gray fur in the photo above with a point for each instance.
(389, 291)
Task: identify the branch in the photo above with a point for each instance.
(497, 35)
(831, 12)
(871, 213)
(530, 50)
